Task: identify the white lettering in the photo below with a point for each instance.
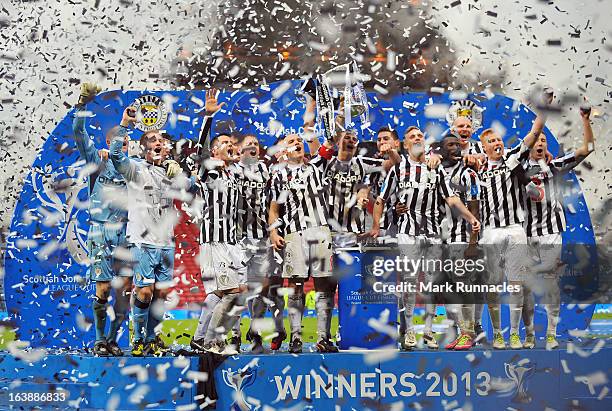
(288, 385)
(366, 385)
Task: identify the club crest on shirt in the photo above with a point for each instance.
(151, 113)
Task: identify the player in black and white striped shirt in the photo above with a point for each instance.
(386, 137)
(263, 274)
(297, 203)
(458, 234)
(222, 260)
(345, 180)
(462, 126)
(545, 223)
(502, 215)
(419, 187)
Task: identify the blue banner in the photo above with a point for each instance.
(385, 379)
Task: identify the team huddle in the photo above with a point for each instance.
(283, 213)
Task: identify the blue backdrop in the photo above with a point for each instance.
(46, 244)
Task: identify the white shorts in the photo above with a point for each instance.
(308, 253)
(506, 252)
(545, 251)
(420, 248)
(223, 266)
(261, 259)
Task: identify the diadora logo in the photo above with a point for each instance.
(344, 178)
(252, 184)
(295, 184)
(501, 171)
(403, 185)
(238, 380)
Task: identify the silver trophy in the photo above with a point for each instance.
(338, 91)
(345, 85)
(519, 375)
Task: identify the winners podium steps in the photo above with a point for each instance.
(575, 377)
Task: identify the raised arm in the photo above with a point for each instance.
(309, 126)
(84, 144)
(588, 142)
(122, 163)
(540, 121)
(211, 106)
(393, 157)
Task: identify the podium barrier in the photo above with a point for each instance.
(577, 377)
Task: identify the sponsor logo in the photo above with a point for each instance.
(404, 185)
(344, 178)
(501, 171)
(151, 113)
(252, 184)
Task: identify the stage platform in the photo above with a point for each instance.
(578, 376)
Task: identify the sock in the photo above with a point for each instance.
(258, 310)
(453, 313)
(402, 316)
(552, 298)
(323, 313)
(430, 313)
(408, 300)
(278, 309)
(140, 316)
(478, 310)
(99, 311)
(236, 332)
(216, 329)
(209, 304)
(467, 312)
(528, 312)
(231, 318)
(153, 321)
(494, 311)
(296, 311)
(516, 309)
(122, 303)
(330, 307)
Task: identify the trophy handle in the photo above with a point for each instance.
(510, 371)
(227, 378)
